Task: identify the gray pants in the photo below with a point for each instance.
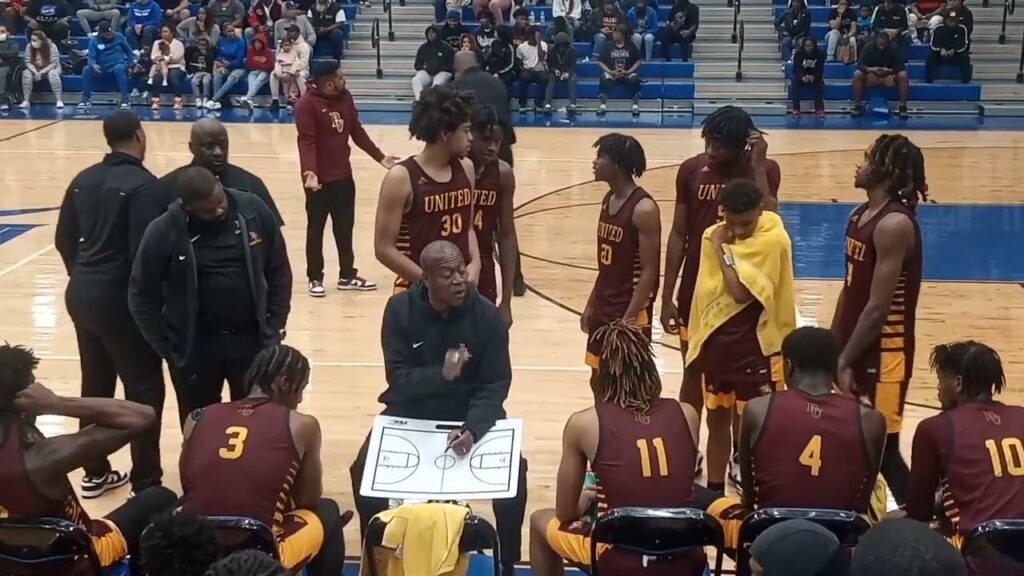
(202, 83)
(86, 16)
(570, 84)
(27, 79)
(4, 71)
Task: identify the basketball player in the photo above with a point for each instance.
(429, 196)
(34, 468)
(260, 458)
(733, 148)
(875, 314)
(628, 245)
(647, 457)
(972, 450)
(493, 210)
(805, 447)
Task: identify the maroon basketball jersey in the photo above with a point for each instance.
(811, 453)
(240, 460)
(486, 207)
(618, 260)
(697, 187)
(984, 473)
(890, 356)
(19, 496)
(438, 211)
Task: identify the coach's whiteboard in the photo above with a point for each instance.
(409, 460)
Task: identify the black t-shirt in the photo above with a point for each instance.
(225, 297)
(844, 23)
(895, 19)
(48, 11)
(620, 57)
(872, 57)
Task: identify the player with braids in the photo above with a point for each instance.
(429, 196)
(980, 473)
(180, 544)
(647, 457)
(247, 563)
(259, 456)
(877, 307)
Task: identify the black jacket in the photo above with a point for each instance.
(685, 16)
(162, 294)
(795, 24)
(415, 340)
(105, 212)
(805, 64)
(433, 57)
(230, 176)
(885, 19)
(489, 91)
(949, 38)
(562, 59)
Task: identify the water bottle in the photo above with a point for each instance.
(590, 482)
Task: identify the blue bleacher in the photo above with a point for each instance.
(914, 52)
(650, 90)
(843, 73)
(840, 71)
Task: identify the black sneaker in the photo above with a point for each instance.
(858, 110)
(94, 487)
(357, 283)
(519, 287)
(275, 105)
(904, 114)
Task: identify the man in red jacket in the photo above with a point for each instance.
(326, 117)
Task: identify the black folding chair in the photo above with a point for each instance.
(477, 535)
(45, 546)
(995, 547)
(656, 532)
(236, 533)
(847, 526)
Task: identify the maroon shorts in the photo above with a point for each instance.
(487, 285)
(594, 343)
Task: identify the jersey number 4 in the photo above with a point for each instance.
(645, 457)
(1012, 454)
(236, 442)
(811, 456)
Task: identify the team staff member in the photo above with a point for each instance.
(208, 143)
(211, 287)
(326, 117)
(34, 468)
(446, 358)
(105, 212)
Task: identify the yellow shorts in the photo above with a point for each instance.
(108, 542)
(401, 285)
(301, 538)
(571, 544)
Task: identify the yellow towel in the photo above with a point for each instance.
(764, 264)
(421, 540)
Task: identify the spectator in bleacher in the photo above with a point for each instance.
(433, 64)
(486, 32)
(865, 19)
(562, 67)
(9, 50)
(303, 50)
(794, 25)
(496, 8)
(229, 67)
(98, 11)
(467, 43)
(226, 12)
(12, 12)
(199, 26)
(880, 64)
(292, 16)
(533, 68)
(42, 60)
(924, 15)
(452, 30)
(499, 59)
(262, 16)
(175, 62)
(571, 10)
(180, 544)
(144, 19)
(965, 14)
(138, 72)
(51, 17)
(619, 63)
(199, 58)
(808, 70)
(520, 26)
(175, 10)
(949, 46)
(683, 21)
(842, 28)
(110, 56)
(259, 62)
(603, 24)
(644, 22)
(290, 73)
(328, 20)
(891, 17)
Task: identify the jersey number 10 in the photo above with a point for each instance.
(1012, 454)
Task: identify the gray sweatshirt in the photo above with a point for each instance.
(222, 14)
(305, 29)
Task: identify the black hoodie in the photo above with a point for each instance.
(435, 55)
(415, 339)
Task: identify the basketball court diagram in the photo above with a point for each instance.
(410, 459)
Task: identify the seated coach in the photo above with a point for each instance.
(446, 358)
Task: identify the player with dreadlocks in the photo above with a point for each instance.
(733, 148)
(260, 458)
(628, 245)
(875, 314)
(647, 457)
(247, 563)
(981, 471)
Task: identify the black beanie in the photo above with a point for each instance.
(798, 548)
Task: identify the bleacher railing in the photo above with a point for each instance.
(375, 42)
(739, 52)
(735, 4)
(1009, 6)
(391, 23)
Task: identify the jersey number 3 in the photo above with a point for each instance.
(811, 456)
(645, 457)
(236, 442)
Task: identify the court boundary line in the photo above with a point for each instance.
(30, 130)
(25, 260)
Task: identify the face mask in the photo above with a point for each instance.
(36, 43)
(3, 37)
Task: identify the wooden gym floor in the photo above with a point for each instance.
(970, 236)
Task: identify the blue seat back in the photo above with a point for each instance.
(43, 546)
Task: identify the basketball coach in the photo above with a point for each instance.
(211, 287)
(446, 358)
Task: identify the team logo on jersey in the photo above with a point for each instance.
(993, 418)
(814, 410)
(246, 409)
(337, 122)
(254, 238)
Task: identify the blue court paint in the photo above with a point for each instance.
(962, 242)
(20, 211)
(11, 231)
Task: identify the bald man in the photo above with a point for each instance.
(208, 143)
(446, 358)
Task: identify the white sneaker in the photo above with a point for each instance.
(5, 107)
(24, 104)
(126, 106)
(200, 103)
(212, 104)
(734, 472)
(245, 101)
(316, 289)
(135, 93)
(603, 108)
(357, 283)
(60, 104)
(95, 487)
(636, 109)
